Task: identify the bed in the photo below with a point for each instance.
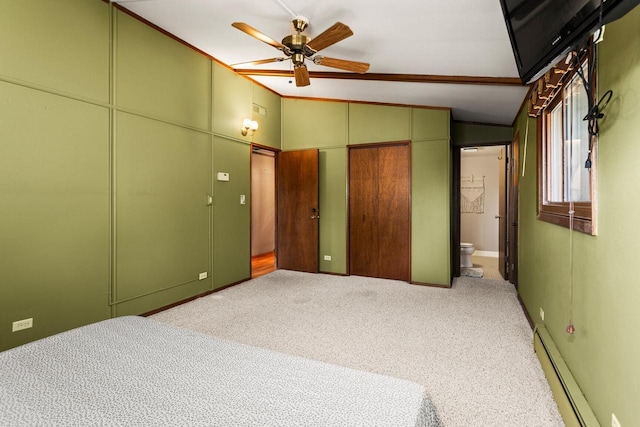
(136, 371)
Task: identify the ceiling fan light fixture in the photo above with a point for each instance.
(299, 46)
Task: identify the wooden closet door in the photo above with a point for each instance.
(363, 212)
(379, 212)
(394, 231)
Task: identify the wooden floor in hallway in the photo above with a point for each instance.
(263, 264)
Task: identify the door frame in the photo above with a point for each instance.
(455, 203)
(275, 151)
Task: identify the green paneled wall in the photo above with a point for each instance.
(54, 204)
(104, 197)
(231, 227)
(333, 214)
(61, 45)
(162, 224)
(159, 77)
(269, 130)
(378, 123)
(469, 134)
(232, 103)
(427, 124)
(313, 124)
(603, 353)
(430, 226)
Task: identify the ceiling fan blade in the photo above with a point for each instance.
(331, 35)
(258, 35)
(302, 75)
(258, 62)
(343, 64)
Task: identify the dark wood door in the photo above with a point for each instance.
(298, 211)
(502, 215)
(380, 211)
(363, 209)
(512, 209)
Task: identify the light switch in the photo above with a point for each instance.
(243, 200)
(223, 176)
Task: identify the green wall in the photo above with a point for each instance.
(430, 190)
(603, 353)
(345, 123)
(111, 136)
(465, 134)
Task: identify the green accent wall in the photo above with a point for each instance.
(54, 204)
(231, 227)
(58, 46)
(603, 353)
(430, 192)
(378, 123)
(162, 221)
(111, 134)
(269, 125)
(333, 211)
(465, 134)
(314, 124)
(232, 103)
(159, 77)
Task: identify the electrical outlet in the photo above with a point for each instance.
(202, 276)
(243, 199)
(614, 421)
(327, 257)
(542, 314)
(19, 325)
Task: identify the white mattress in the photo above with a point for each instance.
(134, 371)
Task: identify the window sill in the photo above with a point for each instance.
(579, 224)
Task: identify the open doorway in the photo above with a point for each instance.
(263, 210)
(483, 207)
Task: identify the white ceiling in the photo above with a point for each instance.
(417, 37)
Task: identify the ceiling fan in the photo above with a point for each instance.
(299, 47)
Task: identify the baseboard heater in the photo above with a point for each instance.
(572, 404)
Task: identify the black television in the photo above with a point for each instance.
(542, 31)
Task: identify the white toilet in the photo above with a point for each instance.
(466, 249)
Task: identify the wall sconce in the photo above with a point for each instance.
(249, 127)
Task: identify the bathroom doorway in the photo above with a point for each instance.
(482, 211)
(263, 210)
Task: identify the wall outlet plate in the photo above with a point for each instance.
(19, 325)
(202, 276)
(541, 314)
(327, 257)
(223, 176)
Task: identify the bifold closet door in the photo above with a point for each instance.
(379, 211)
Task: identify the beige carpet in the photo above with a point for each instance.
(470, 346)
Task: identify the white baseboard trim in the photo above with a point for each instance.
(492, 254)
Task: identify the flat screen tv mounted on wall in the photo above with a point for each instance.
(542, 31)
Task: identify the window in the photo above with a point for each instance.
(565, 147)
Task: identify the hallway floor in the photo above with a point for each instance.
(489, 266)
